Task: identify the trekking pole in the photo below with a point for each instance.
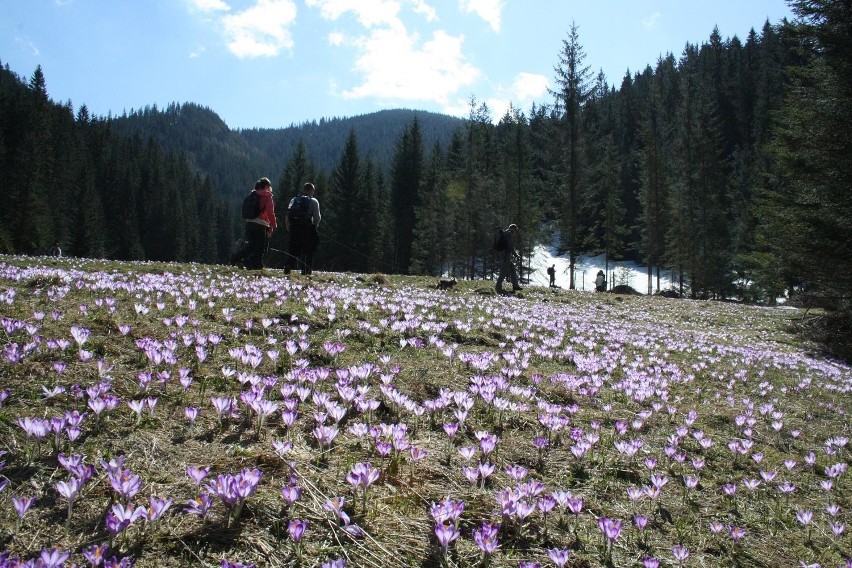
(379, 261)
(297, 259)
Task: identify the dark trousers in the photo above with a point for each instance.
(507, 270)
(303, 243)
(253, 250)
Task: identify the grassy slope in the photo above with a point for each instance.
(599, 362)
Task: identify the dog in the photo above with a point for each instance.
(446, 283)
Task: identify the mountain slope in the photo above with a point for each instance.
(377, 135)
(233, 159)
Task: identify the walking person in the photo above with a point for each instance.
(302, 221)
(600, 282)
(507, 257)
(259, 215)
(552, 273)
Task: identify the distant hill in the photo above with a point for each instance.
(234, 158)
(377, 134)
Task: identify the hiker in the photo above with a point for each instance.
(507, 256)
(600, 282)
(55, 250)
(552, 273)
(302, 221)
(259, 227)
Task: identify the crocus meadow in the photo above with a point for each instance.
(185, 415)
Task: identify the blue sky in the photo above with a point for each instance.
(272, 63)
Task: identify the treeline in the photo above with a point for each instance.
(68, 178)
(725, 168)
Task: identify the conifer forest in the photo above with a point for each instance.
(725, 167)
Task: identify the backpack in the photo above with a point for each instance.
(300, 208)
(251, 206)
(499, 240)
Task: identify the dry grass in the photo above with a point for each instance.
(588, 356)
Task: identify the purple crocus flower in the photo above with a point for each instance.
(69, 490)
(446, 534)
(451, 429)
(485, 538)
(296, 528)
(559, 556)
(680, 552)
(157, 507)
(125, 483)
(467, 452)
(229, 564)
(96, 554)
(362, 474)
(325, 435)
(447, 510)
(197, 474)
(575, 505)
(737, 533)
(53, 558)
(609, 527)
(121, 517)
(191, 413)
(22, 505)
(291, 493)
(804, 516)
(199, 506)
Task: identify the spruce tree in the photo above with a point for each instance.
(406, 176)
(344, 209)
(571, 92)
(807, 203)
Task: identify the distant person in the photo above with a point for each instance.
(302, 222)
(259, 215)
(507, 256)
(600, 282)
(55, 250)
(552, 273)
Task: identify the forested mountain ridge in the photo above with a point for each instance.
(212, 149)
(378, 133)
(233, 159)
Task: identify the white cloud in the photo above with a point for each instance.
(489, 10)
(395, 67)
(421, 7)
(651, 21)
(460, 107)
(394, 64)
(525, 89)
(528, 86)
(210, 5)
(262, 30)
(198, 52)
(369, 13)
(28, 44)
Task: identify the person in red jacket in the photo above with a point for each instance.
(258, 229)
